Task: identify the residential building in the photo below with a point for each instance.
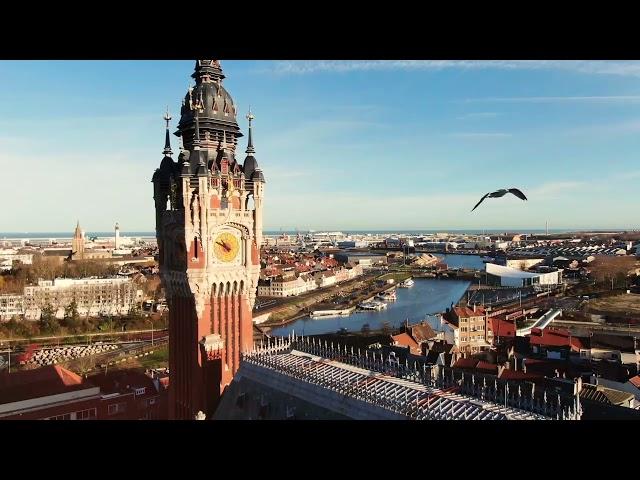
(470, 328)
(11, 305)
(55, 393)
(93, 296)
(286, 287)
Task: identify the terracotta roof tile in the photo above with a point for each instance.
(635, 381)
(466, 312)
(41, 382)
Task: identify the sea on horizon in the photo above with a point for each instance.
(15, 235)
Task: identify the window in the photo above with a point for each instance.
(66, 416)
(89, 414)
(140, 391)
(115, 408)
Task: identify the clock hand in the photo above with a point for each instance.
(224, 245)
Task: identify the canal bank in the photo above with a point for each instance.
(422, 301)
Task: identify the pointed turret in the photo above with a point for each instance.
(167, 143)
(251, 169)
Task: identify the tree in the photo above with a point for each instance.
(48, 321)
(366, 329)
(71, 315)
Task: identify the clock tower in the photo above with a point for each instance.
(209, 231)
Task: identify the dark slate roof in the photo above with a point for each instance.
(250, 165)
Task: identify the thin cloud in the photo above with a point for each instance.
(478, 115)
(596, 67)
(552, 189)
(481, 135)
(589, 98)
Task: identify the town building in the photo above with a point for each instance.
(11, 305)
(366, 260)
(93, 296)
(281, 287)
(470, 328)
(513, 277)
(209, 209)
(55, 393)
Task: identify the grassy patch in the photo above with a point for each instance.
(619, 304)
(396, 276)
(158, 359)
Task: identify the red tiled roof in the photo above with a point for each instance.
(555, 338)
(465, 363)
(508, 374)
(422, 333)
(635, 381)
(487, 367)
(466, 312)
(123, 381)
(404, 340)
(501, 328)
(41, 382)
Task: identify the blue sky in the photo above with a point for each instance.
(343, 145)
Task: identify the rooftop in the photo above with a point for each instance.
(354, 383)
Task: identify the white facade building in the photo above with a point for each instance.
(11, 305)
(279, 287)
(512, 277)
(94, 296)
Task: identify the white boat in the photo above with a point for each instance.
(408, 283)
(387, 296)
(373, 305)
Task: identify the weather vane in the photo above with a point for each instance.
(167, 117)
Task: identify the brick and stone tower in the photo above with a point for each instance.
(209, 231)
(77, 244)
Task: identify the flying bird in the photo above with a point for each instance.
(501, 193)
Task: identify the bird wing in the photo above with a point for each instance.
(518, 193)
(485, 196)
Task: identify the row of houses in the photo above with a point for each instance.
(292, 284)
(604, 368)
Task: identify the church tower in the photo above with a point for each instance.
(209, 231)
(77, 244)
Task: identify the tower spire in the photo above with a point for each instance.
(167, 143)
(250, 149)
(208, 71)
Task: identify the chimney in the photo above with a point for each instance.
(474, 306)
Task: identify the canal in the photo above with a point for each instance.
(428, 296)
(461, 261)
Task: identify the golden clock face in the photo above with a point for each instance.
(226, 246)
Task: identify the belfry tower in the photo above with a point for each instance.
(209, 234)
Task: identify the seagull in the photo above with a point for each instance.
(501, 193)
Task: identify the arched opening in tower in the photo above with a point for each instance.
(251, 204)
